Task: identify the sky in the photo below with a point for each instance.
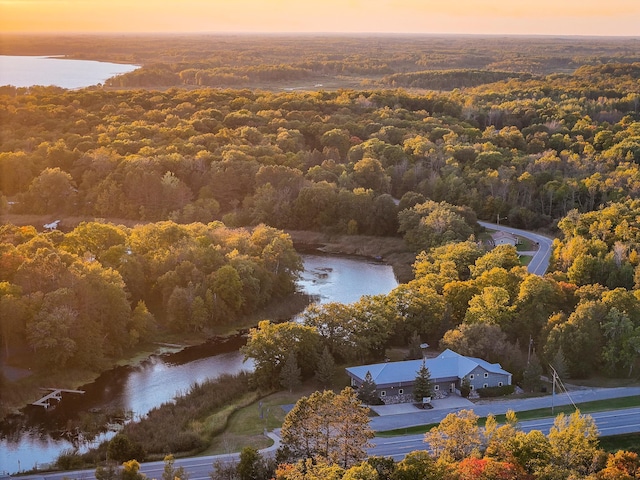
(525, 17)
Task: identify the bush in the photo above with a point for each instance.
(496, 391)
(69, 460)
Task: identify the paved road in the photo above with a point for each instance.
(486, 407)
(540, 261)
(608, 423)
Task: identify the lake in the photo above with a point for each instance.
(27, 71)
(160, 378)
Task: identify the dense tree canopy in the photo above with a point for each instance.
(85, 296)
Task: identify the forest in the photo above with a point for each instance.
(216, 147)
(555, 151)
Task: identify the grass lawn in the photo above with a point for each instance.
(246, 420)
(525, 260)
(629, 442)
(525, 245)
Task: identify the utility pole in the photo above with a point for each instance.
(529, 354)
(500, 218)
(553, 388)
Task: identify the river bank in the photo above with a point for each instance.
(390, 250)
(24, 387)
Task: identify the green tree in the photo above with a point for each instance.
(249, 466)
(367, 390)
(422, 386)
(531, 376)
(270, 344)
(290, 373)
(121, 449)
(491, 306)
(325, 369)
(54, 190)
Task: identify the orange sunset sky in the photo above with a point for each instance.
(542, 17)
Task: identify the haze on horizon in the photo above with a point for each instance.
(508, 17)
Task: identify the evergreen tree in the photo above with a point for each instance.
(465, 387)
(249, 466)
(422, 386)
(326, 369)
(559, 363)
(367, 391)
(531, 375)
(291, 374)
(415, 352)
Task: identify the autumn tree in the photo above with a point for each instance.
(327, 426)
(456, 437)
(574, 443)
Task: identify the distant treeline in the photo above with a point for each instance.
(448, 79)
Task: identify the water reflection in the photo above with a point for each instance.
(134, 390)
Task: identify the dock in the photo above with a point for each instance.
(55, 394)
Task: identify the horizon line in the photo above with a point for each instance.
(318, 33)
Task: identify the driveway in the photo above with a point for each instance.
(449, 403)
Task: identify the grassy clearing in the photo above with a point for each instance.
(587, 407)
(629, 442)
(245, 425)
(525, 260)
(525, 245)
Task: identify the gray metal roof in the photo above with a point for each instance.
(444, 367)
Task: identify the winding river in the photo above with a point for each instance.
(160, 378)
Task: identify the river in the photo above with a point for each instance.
(138, 389)
(27, 71)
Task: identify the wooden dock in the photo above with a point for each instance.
(55, 394)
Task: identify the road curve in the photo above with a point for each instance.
(540, 261)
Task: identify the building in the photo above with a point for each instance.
(394, 380)
(504, 238)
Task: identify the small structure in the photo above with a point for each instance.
(52, 226)
(56, 394)
(394, 380)
(504, 238)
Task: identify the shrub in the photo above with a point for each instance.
(496, 391)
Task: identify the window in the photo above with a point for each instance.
(471, 377)
(485, 385)
(470, 387)
(383, 393)
(436, 387)
(486, 375)
(400, 391)
(499, 384)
